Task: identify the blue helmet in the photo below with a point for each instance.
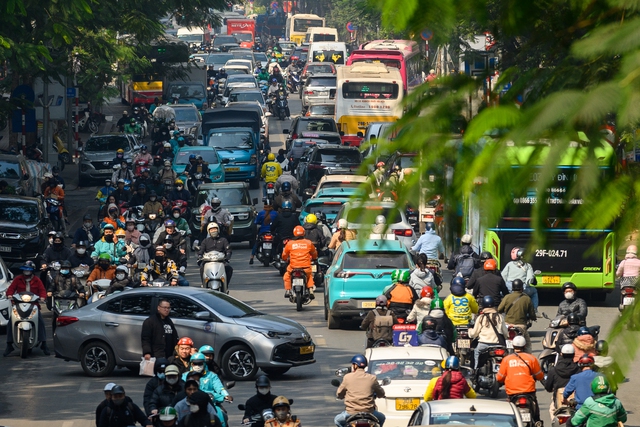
(286, 186)
(29, 266)
(359, 360)
(206, 349)
(143, 147)
(583, 331)
(488, 301)
(452, 363)
(457, 286)
(429, 226)
(192, 156)
(197, 357)
(287, 205)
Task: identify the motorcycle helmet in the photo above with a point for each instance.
(381, 301)
(342, 224)
(452, 363)
(490, 265)
(169, 223)
(428, 324)
(298, 231)
(122, 268)
(458, 281)
(120, 151)
(121, 233)
(168, 241)
(569, 285)
(600, 385)
(132, 121)
(287, 205)
(583, 331)
(573, 319)
(602, 348)
(517, 285)
(28, 266)
(586, 360)
(192, 157)
(359, 360)
(485, 256)
(176, 133)
(286, 186)
(516, 253)
(197, 357)
(519, 342)
(488, 301)
(143, 148)
(215, 203)
(380, 219)
(108, 227)
(263, 381)
(457, 289)
(211, 226)
(179, 182)
(427, 291)
(206, 349)
(185, 341)
(271, 157)
(466, 239)
(167, 414)
(311, 219)
(568, 349)
(280, 401)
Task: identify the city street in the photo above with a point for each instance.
(45, 391)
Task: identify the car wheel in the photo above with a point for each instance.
(239, 363)
(332, 322)
(275, 372)
(326, 309)
(97, 359)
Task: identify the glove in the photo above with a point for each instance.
(183, 269)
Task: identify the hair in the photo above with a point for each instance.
(342, 235)
(161, 300)
(495, 318)
(267, 217)
(446, 384)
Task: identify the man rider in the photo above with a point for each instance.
(143, 155)
(429, 243)
(490, 284)
(263, 75)
(602, 409)
(571, 304)
(133, 127)
(88, 232)
(179, 192)
(579, 384)
(121, 411)
(558, 377)
(218, 214)
(286, 193)
(282, 414)
(277, 75)
(27, 282)
(121, 194)
(123, 173)
(216, 242)
(178, 256)
(122, 121)
(299, 252)
(358, 389)
(56, 252)
(65, 281)
(518, 310)
(400, 295)
(313, 233)
(140, 197)
(81, 257)
(160, 267)
(271, 171)
(257, 403)
(286, 220)
(465, 248)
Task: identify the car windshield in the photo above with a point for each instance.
(338, 156)
(358, 215)
(317, 125)
(225, 305)
(209, 156)
(407, 161)
(375, 260)
(335, 56)
(391, 63)
(242, 55)
(218, 58)
(230, 139)
(224, 40)
(475, 418)
(186, 114)
(261, 57)
(322, 81)
(233, 71)
(9, 170)
(241, 78)
(322, 110)
(16, 211)
(107, 143)
(187, 91)
(287, 46)
(227, 196)
(190, 38)
(243, 37)
(327, 209)
(246, 96)
(340, 184)
(410, 369)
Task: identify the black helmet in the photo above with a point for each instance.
(263, 381)
(568, 285)
(65, 264)
(602, 348)
(485, 256)
(117, 389)
(87, 217)
(59, 235)
(286, 186)
(517, 285)
(488, 301)
(429, 324)
(573, 319)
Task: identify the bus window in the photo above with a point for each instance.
(391, 63)
(301, 25)
(369, 90)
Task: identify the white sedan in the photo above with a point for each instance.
(404, 373)
(466, 412)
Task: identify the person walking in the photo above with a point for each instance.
(159, 335)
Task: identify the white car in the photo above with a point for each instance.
(5, 305)
(481, 412)
(341, 181)
(407, 370)
(240, 63)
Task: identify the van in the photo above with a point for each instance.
(194, 36)
(321, 34)
(335, 52)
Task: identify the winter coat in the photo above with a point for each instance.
(576, 305)
(77, 260)
(315, 235)
(566, 336)
(459, 387)
(580, 384)
(153, 336)
(600, 411)
(582, 345)
(83, 234)
(420, 279)
(483, 330)
(104, 247)
(489, 284)
(420, 309)
(119, 285)
(152, 207)
(65, 283)
(464, 250)
(517, 308)
(219, 244)
(560, 373)
(51, 254)
(124, 415)
(431, 337)
(164, 395)
(284, 224)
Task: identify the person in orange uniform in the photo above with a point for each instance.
(282, 412)
(103, 270)
(55, 191)
(299, 252)
(519, 372)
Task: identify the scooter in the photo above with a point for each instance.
(548, 355)
(278, 263)
(463, 344)
(271, 192)
(525, 406)
(63, 153)
(99, 289)
(281, 106)
(214, 276)
(24, 322)
(564, 413)
(319, 268)
(514, 331)
(293, 82)
(264, 252)
(361, 419)
(488, 367)
(434, 266)
(63, 301)
(261, 418)
(627, 292)
(55, 217)
(299, 291)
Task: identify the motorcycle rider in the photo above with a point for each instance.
(56, 251)
(80, 257)
(178, 256)
(358, 389)
(284, 223)
(143, 155)
(271, 171)
(517, 268)
(105, 191)
(88, 232)
(263, 399)
(123, 173)
(630, 266)
(164, 395)
(145, 179)
(299, 252)
(152, 205)
(209, 353)
(179, 192)
(123, 120)
(282, 411)
(132, 234)
(285, 194)
(452, 385)
(606, 365)
(519, 372)
(571, 304)
(429, 243)
(65, 281)
(460, 306)
(400, 295)
(178, 240)
(197, 165)
(167, 172)
(103, 269)
(216, 242)
(160, 266)
(286, 177)
(422, 307)
(489, 284)
(430, 336)
(378, 322)
(157, 165)
(24, 282)
(210, 384)
(263, 75)
(218, 214)
(313, 233)
(584, 343)
(518, 310)
(263, 220)
(140, 197)
(603, 409)
(558, 377)
(182, 353)
(422, 276)
(580, 383)
(121, 194)
(276, 74)
(343, 234)
(568, 334)
(121, 281)
(133, 127)
(465, 249)
(121, 411)
(106, 245)
(105, 402)
(489, 328)
(113, 217)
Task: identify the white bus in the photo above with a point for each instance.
(335, 52)
(321, 34)
(366, 93)
(297, 25)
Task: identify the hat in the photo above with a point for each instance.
(199, 398)
(117, 389)
(109, 386)
(172, 370)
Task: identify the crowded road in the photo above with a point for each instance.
(43, 390)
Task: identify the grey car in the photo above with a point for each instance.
(100, 150)
(14, 171)
(106, 334)
(188, 120)
(319, 89)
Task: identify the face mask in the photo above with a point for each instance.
(144, 242)
(194, 408)
(263, 390)
(108, 238)
(120, 276)
(88, 225)
(179, 187)
(81, 251)
(140, 227)
(104, 265)
(167, 168)
(176, 215)
(64, 272)
(57, 244)
(168, 245)
(197, 368)
(213, 233)
(153, 198)
(51, 241)
(118, 402)
(28, 272)
(159, 258)
(144, 151)
(172, 380)
(282, 415)
(161, 375)
(569, 295)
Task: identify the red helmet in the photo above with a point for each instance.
(380, 164)
(427, 291)
(490, 265)
(298, 231)
(185, 341)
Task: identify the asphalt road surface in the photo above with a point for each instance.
(44, 391)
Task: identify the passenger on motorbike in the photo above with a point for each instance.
(558, 377)
(271, 171)
(445, 326)
(121, 281)
(55, 191)
(343, 234)
(210, 384)
(140, 197)
(429, 243)
(452, 384)
(286, 177)
(121, 194)
(489, 328)
(421, 276)
(183, 351)
(218, 214)
(178, 256)
(179, 192)
(143, 155)
(286, 194)
(518, 310)
(263, 220)
(157, 165)
(282, 413)
(123, 173)
(21, 283)
(569, 333)
(121, 244)
(197, 165)
(430, 336)
(80, 257)
(88, 232)
(378, 322)
(584, 343)
(465, 249)
(489, 284)
(580, 383)
(606, 365)
(160, 267)
(257, 403)
(571, 304)
(517, 268)
(113, 218)
(209, 354)
(422, 307)
(153, 205)
(313, 233)
(105, 191)
(166, 152)
(181, 404)
(103, 269)
(460, 306)
(133, 127)
(65, 281)
(603, 409)
(400, 295)
(276, 74)
(56, 251)
(359, 391)
(299, 252)
(216, 242)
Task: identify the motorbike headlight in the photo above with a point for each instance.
(33, 312)
(269, 334)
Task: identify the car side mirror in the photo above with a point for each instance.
(25, 176)
(360, 135)
(308, 192)
(203, 315)
(285, 130)
(341, 133)
(224, 161)
(255, 200)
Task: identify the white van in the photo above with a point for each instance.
(194, 36)
(335, 52)
(321, 34)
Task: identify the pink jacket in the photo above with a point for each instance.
(629, 267)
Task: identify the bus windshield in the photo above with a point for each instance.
(301, 25)
(369, 90)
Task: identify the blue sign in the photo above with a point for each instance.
(71, 92)
(24, 94)
(426, 35)
(405, 335)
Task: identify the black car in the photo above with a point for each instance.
(24, 225)
(312, 127)
(13, 170)
(322, 160)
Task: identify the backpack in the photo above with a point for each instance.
(382, 326)
(465, 265)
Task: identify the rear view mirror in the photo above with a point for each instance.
(224, 161)
(360, 135)
(255, 200)
(308, 192)
(285, 130)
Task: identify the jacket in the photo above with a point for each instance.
(182, 408)
(429, 244)
(518, 270)
(299, 253)
(460, 308)
(336, 241)
(420, 309)
(83, 234)
(420, 279)
(357, 390)
(183, 194)
(152, 207)
(124, 415)
(489, 284)
(369, 320)
(153, 336)
(271, 171)
(104, 247)
(284, 196)
(459, 387)
(269, 216)
(256, 404)
(566, 336)
(167, 270)
(519, 372)
(19, 284)
(68, 283)
(577, 306)
(98, 273)
(182, 364)
(600, 411)
(141, 253)
(444, 326)
(119, 285)
(315, 235)
(580, 384)
(431, 337)
(219, 244)
(164, 395)
(560, 373)
(483, 330)
(629, 267)
(210, 383)
(118, 222)
(583, 344)
(179, 242)
(51, 254)
(289, 423)
(401, 298)
(517, 308)
(149, 388)
(77, 260)
(122, 195)
(284, 224)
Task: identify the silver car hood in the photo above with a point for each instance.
(269, 322)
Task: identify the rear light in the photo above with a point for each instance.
(332, 203)
(294, 136)
(629, 291)
(427, 218)
(523, 402)
(298, 273)
(344, 274)
(267, 237)
(401, 320)
(316, 167)
(270, 185)
(499, 352)
(342, 301)
(463, 334)
(406, 233)
(562, 419)
(308, 92)
(512, 334)
(66, 320)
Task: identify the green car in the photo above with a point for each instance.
(209, 155)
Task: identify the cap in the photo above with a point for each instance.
(109, 386)
(172, 370)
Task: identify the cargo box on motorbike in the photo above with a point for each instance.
(405, 334)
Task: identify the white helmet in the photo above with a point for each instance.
(466, 239)
(213, 225)
(342, 223)
(568, 349)
(380, 219)
(519, 341)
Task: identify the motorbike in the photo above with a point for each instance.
(564, 413)
(140, 164)
(361, 419)
(63, 153)
(63, 301)
(214, 276)
(24, 321)
(299, 291)
(319, 268)
(88, 123)
(281, 106)
(525, 405)
(98, 289)
(548, 355)
(263, 417)
(412, 216)
(278, 263)
(271, 192)
(488, 367)
(264, 252)
(55, 216)
(463, 344)
(264, 87)
(195, 181)
(434, 266)
(627, 292)
(293, 82)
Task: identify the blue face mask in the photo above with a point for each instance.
(64, 272)
(161, 375)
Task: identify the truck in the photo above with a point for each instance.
(187, 85)
(141, 89)
(244, 30)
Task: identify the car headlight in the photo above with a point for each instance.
(30, 235)
(269, 334)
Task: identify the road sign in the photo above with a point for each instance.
(426, 34)
(351, 28)
(71, 92)
(25, 94)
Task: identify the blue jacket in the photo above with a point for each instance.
(429, 244)
(580, 383)
(260, 221)
(82, 234)
(432, 337)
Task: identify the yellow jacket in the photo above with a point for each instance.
(271, 171)
(460, 309)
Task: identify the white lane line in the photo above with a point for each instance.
(84, 388)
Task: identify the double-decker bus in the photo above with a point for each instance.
(366, 93)
(585, 257)
(404, 55)
(297, 25)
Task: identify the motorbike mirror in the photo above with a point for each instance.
(335, 383)
(224, 161)
(80, 149)
(342, 372)
(537, 272)
(203, 315)
(290, 401)
(25, 177)
(229, 385)
(386, 381)
(255, 200)
(241, 407)
(360, 135)
(308, 192)
(285, 130)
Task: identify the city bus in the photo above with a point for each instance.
(404, 55)
(584, 257)
(366, 93)
(297, 25)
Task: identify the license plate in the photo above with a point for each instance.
(5, 249)
(368, 304)
(628, 300)
(463, 344)
(267, 245)
(526, 416)
(551, 280)
(306, 349)
(142, 265)
(105, 170)
(496, 367)
(314, 268)
(237, 169)
(509, 344)
(406, 404)
(413, 218)
(298, 282)
(269, 190)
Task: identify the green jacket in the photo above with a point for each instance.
(518, 308)
(603, 411)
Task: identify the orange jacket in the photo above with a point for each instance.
(299, 253)
(519, 374)
(57, 193)
(99, 273)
